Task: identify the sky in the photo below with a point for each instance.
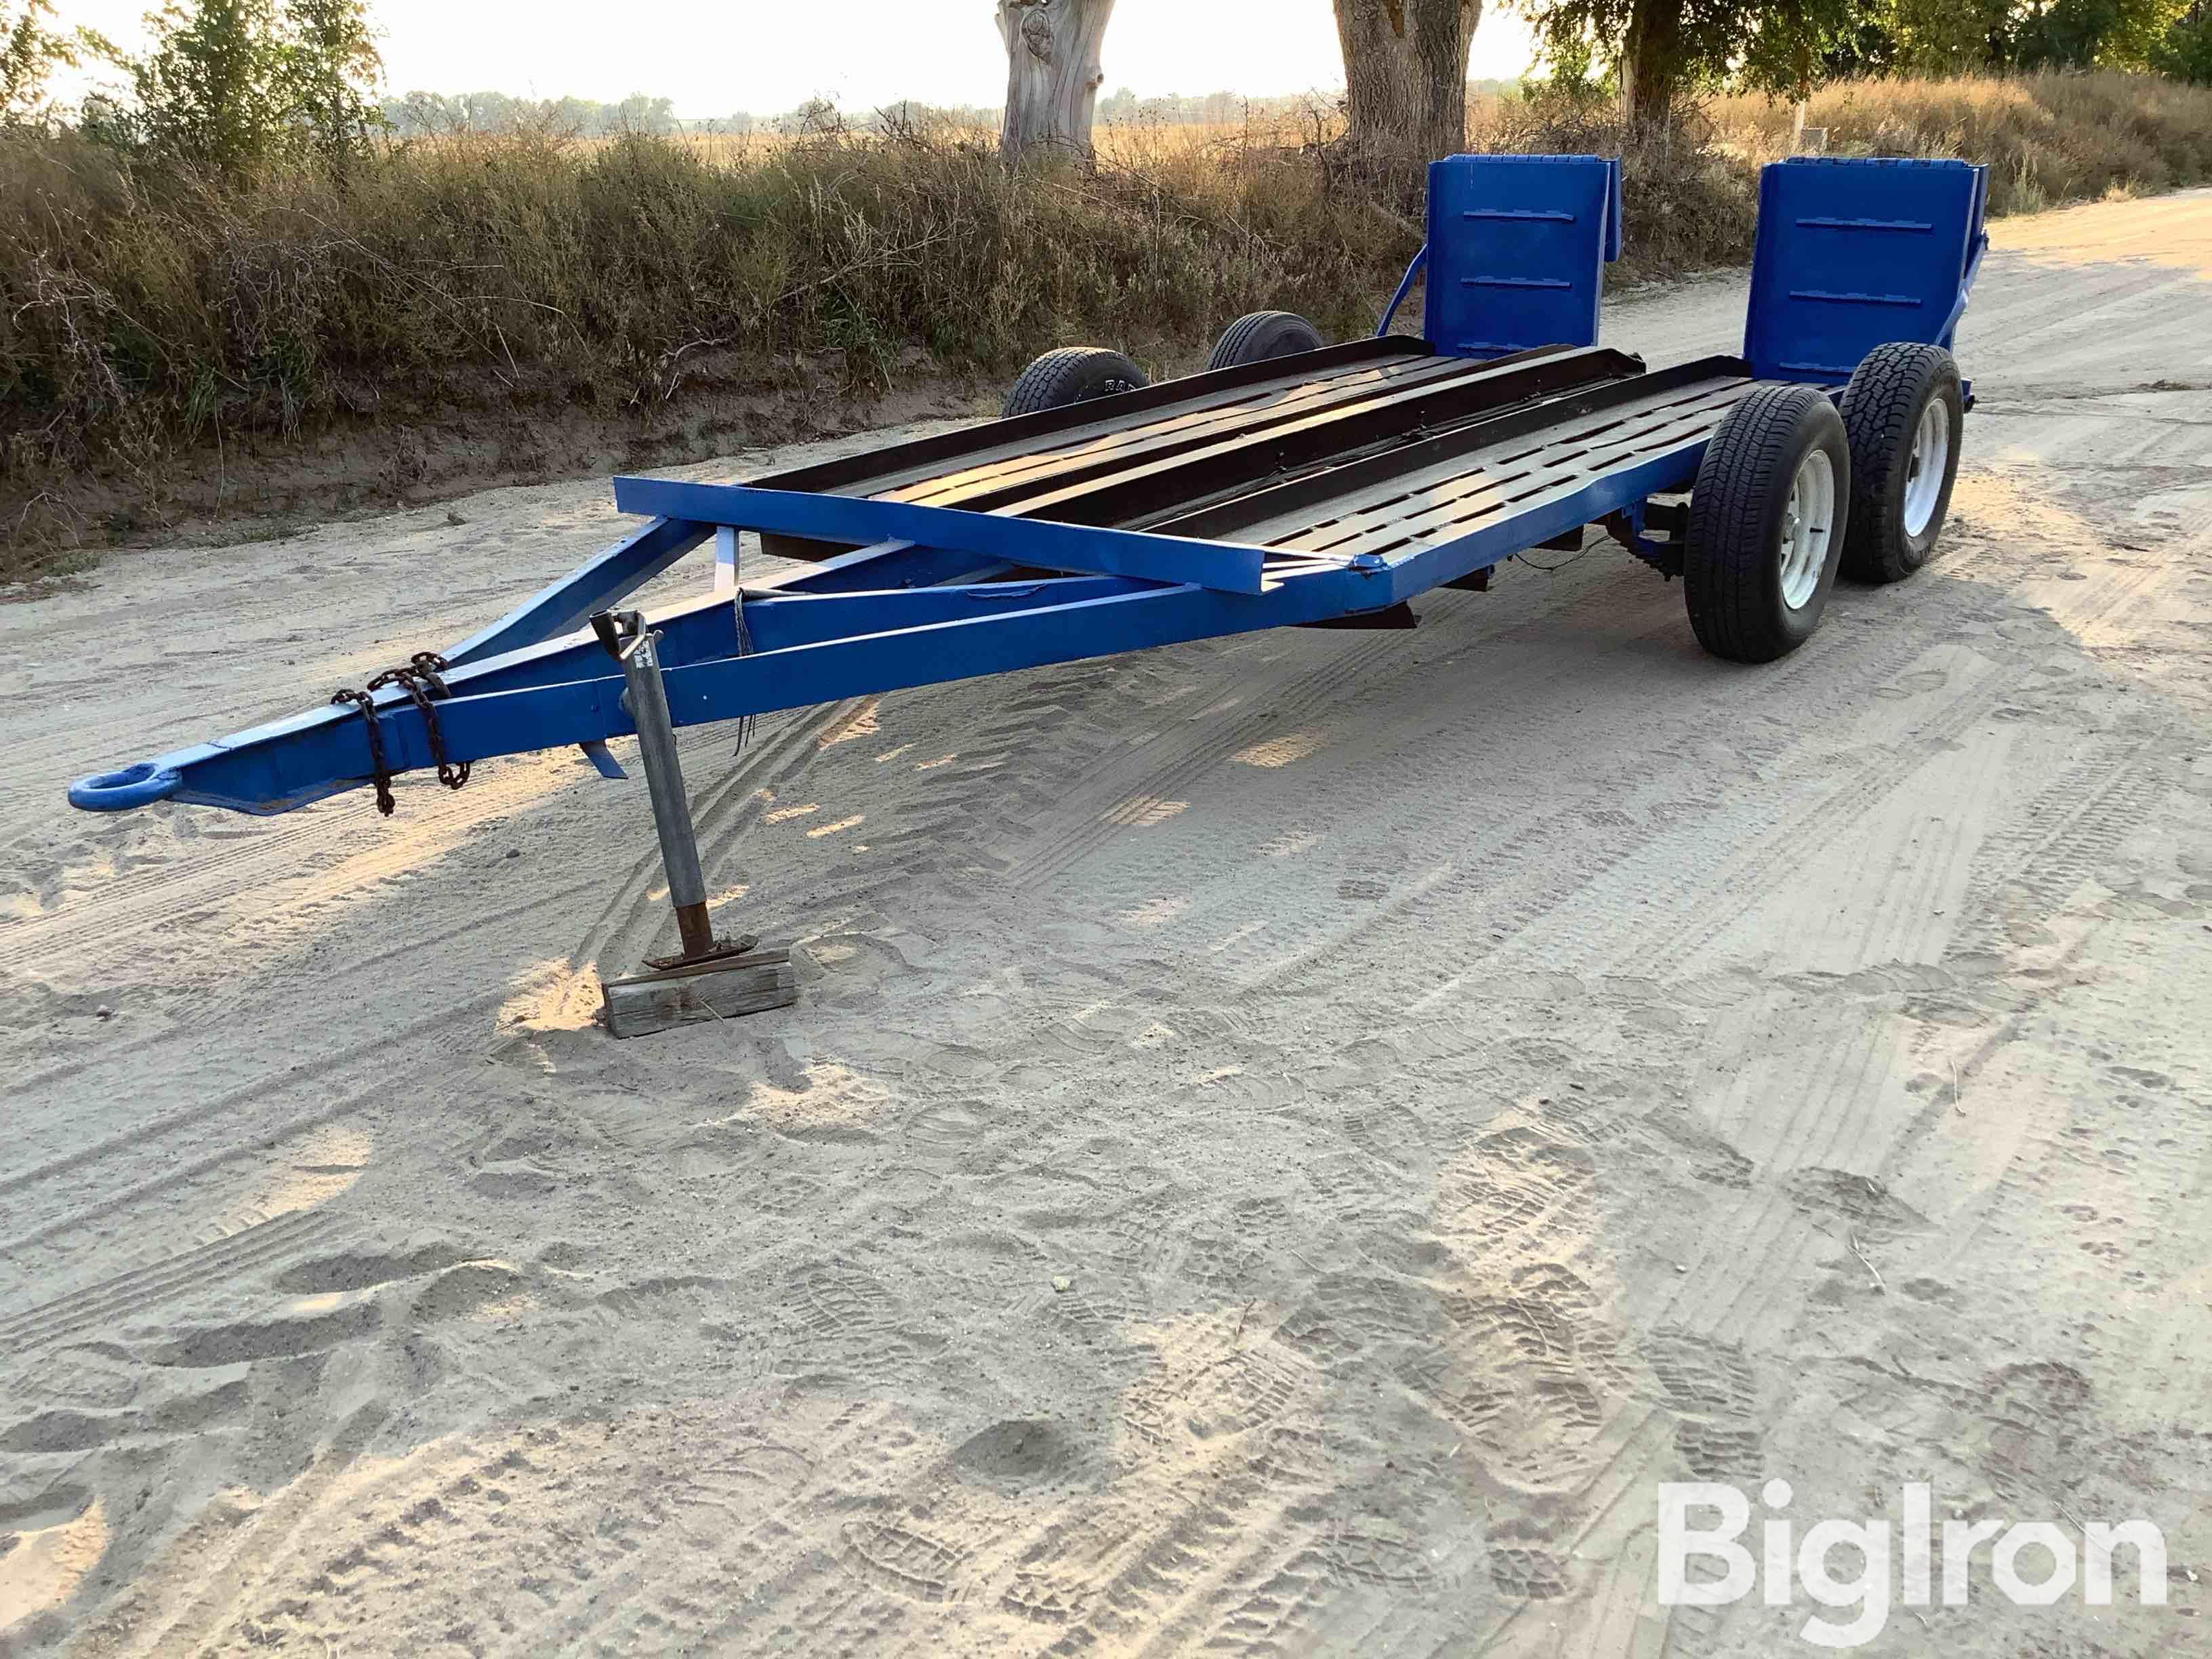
(765, 56)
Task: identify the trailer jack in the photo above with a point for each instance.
(709, 978)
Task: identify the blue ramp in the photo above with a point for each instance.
(1518, 245)
(1854, 253)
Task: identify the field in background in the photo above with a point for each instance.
(156, 328)
(2053, 138)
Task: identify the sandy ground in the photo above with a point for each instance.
(1286, 1143)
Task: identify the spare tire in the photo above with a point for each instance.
(1073, 374)
(1264, 335)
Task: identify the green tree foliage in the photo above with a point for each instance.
(1650, 50)
(2185, 52)
(31, 50)
(331, 67)
(1653, 50)
(211, 93)
(1964, 36)
(232, 84)
(2086, 34)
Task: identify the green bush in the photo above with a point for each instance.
(233, 85)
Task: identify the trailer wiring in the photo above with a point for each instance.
(1522, 558)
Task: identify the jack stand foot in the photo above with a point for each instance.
(717, 987)
(719, 949)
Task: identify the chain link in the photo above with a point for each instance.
(424, 679)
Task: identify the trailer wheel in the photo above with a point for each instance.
(1902, 412)
(1261, 336)
(1073, 374)
(1767, 519)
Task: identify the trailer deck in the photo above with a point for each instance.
(1384, 446)
(1157, 454)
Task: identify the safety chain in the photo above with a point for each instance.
(423, 678)
(367, 704)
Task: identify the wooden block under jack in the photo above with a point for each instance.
(721, 988)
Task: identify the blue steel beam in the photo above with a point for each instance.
(564, 606)
(888, 564)
(567, 603)
(538, 642)
(819, 648)
(480, 726)
(1419, 569)
(778, 621)
(1221, 565)
(289, 764)
(705, 629)
(778, 613)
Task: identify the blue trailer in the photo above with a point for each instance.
(1292, 483)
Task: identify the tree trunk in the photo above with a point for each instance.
(1052, 72)
(1405, 75)
(1651, 63)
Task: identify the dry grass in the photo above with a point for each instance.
(145, 316)
(2050, 138)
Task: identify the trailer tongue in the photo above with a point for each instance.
(1324, 487)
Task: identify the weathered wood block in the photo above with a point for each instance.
(644, 1003)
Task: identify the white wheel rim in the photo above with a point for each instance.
(1807, 518)
(1924, 469)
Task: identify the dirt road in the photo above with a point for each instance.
(1287, 1143)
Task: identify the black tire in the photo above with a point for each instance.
(1732, 557)
(1882, 407)
(1262, 335)
(1073, 374)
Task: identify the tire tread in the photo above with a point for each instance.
(1053, 380)
(1237, 338)
(1878, 409)
(1725, 570)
